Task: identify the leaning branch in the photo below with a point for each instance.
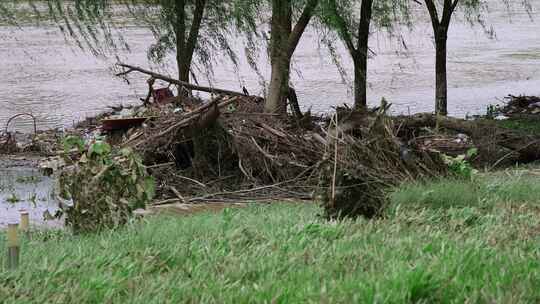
(301, 25)
(189, 86)
(432, 9)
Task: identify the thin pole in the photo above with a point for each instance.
(13, 246)
(25, 221)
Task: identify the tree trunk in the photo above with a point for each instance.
(279, 86)
(440, 30)
(280, 60)
(284, 39)
(360, 84)
(361, 56)
(293, 101)
(180, 32)
(441, 85)
(183, 68)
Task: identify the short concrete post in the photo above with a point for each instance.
(13, 246)
(25, 221)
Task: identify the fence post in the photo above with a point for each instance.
(13, 246)
(25, 221)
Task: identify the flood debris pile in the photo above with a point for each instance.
(8, 145)
(450, 144)
(364, 158)
(229, 150)
(15, 142)
(520, 106)
(45, 143)
(101, 188)
(497, 146)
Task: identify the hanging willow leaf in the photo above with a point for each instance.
(193, 31)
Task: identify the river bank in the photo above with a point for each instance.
(177, 139)
(469, 242)
(480, 232)
(61, 85)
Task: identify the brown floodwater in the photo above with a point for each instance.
(43, 75)
(24, 188)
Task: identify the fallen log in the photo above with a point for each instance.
(187, 85)
(198, 119)
(483, 132)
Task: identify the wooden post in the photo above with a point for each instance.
(25, 221)
(13, 247)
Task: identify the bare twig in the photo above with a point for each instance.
(255, 189)
(166, 202)
(191, 180)
(177, 193)
(335, 160)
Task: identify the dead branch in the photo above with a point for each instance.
(191, 180)
(186, 85)
(190, 118)
(177, 193)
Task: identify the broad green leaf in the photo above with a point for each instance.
(71, 142)
(100, 148)
(472, 152)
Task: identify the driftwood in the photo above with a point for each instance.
(527, 147)
(184, 84)
(199, 114)
(198, 118)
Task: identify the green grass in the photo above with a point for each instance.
(485, 191)
(443, 241)
(526, 126)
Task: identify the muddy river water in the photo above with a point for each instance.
(43, 75)
(24, 188)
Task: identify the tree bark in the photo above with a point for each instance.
(441, 83)
(440, 30)
(180, 32)
(361, 56)
(360, 83)
(358, 52)
(293, 101)
(185, 46)
(284, 40)
(279, 86)
(281, 26)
